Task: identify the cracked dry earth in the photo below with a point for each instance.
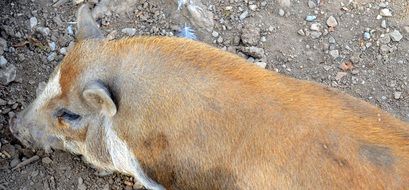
(360, 47)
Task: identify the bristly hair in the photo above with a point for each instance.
(187, 32)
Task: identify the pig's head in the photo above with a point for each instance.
(73, 104)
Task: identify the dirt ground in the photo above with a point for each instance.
(360, 52)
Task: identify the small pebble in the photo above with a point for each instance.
(70, 31)
(367, 35)
(261, 64)
(63, 51)
(385, 12)
(396, 36)
(33, 22)
(281, 12)
(311, 4)
(301, 32)
(253, 7)
(383, 24)
(385, 39)
(315, 27)
(334, 53)
(397, 95)
(129, 31)
(331, 40)
(3, 61)
(52, 46)
(14, 162)
(244, 15)
(51, 56)
(215, 34)
(46, 160)
(332, 22)
(43, 30)
(340, 75)
(310, 18)
(315, 35)
(406, 28)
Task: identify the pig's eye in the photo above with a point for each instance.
(67, 115)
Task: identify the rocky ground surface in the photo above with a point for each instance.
(358, 46)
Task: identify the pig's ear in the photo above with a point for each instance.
(87, 27)
(98, 96)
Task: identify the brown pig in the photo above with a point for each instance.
(180, 114)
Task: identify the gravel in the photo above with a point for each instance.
(351, 48)
(250, 35)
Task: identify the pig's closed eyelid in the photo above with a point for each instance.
(67, 115)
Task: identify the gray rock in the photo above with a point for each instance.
(3, 45)
(355, 58)
(7, 74)
(255, 52)
(396, 36)
(315, 35)
(81, 185)
(244, 15)
(332, 22)
(129, 31)
(14, 162)
(51, 56)
(3, 102)
(219, 40)
(334, 53)
(331, 40)
(250, 35)
(3, 61)
(46, 160)
(43, 31)
(384, 49)
(385, 39)
(52, 46)
(311, 4)
(33, 22)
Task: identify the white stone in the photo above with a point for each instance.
(33, 22)
(129, 31)
(315, 27)
(385, 12)
(332, 22)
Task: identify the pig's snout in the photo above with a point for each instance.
(16, 128)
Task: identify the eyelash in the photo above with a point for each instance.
(67, 115)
